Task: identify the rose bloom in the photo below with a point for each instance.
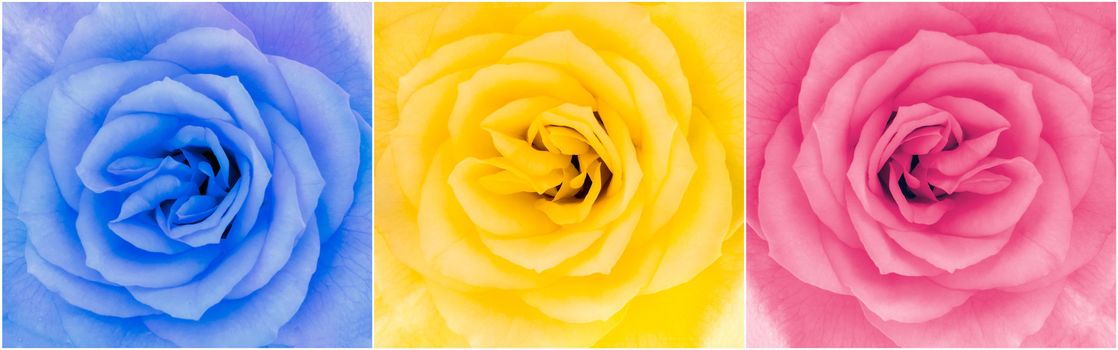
(187, 174)
(558, 175)
(931, 175)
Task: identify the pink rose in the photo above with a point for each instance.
(930, 175)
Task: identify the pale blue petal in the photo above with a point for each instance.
(331, 132)
(27, 304)
(77, 109)
(50, 221)
(17, 336)
(335, 38)
(25, 126)
(127, 31)
(33, 36)
(253, 320)
(91, 330)
(336, 312)
(96, 297)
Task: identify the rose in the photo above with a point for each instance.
(937, 171)
(186, 174)
(547, 173)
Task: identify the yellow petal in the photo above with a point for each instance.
(450, 242)
(405, 314)
(708, 311)
(696, 232)
(495, 319)
(709, 40)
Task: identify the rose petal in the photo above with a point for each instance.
(865, 29)
(251, 321)
(1039, 244)
(336, 311)
(33, 44)
(793, 231)
(989, 318)
(77, 108)
(303, 31)
(327, 124)
(774, 80)
(99, 298)
(127, 31)
(90, 330)
(782, 311)
(997, 87)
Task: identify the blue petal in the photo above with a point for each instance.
(91, 330)
(78, 106)
(33, 35)
(24, 128)
(136, 135)
(191, 300)
(50, 222)
(123, 264)
(27, 304)
(329, 127)
(127, 31)
(96, 297)
(142, 232)
(336, 312)
(251, 321)
(283, 231)
(196, 50)
(17, 336)
(335, 38)
(168, 97)
(290, 142)
(232, 96)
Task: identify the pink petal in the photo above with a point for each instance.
(926, 49)
(1093, 222)
(886, 256)
(1091, 47)
(865, 29)
(1084, 313)
(792, 229)
(775, 32)
(988, 319)
(949, 252)
(1037, 247)
(1068, 129)
(1006, 49)
(891, 296)
(782, 311)
(997, 87)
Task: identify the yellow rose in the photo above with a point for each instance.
(560, 175)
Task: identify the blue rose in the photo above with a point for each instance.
(187, 174)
